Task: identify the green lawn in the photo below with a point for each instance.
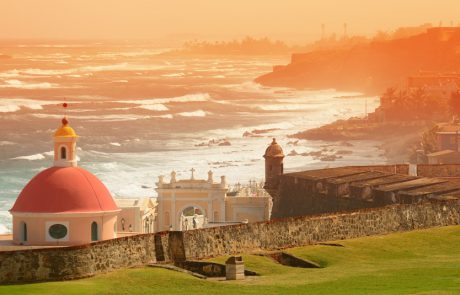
(420, 262)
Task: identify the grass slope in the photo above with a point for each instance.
(419, 262)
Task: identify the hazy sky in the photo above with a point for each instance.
(216, 19)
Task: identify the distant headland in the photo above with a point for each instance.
(369, 67)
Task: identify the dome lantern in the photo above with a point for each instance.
(65, 143)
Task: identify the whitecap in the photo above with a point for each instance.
(23, 85)
(167, 116)
(85, 69)
(285, 107)
(50, 153)
(173, 75)
(15, 104)
(199, 113)
(4, 142)
(105, 118)
(197, 97)
(115, 143)
(155, 107)
(10, 74)
(31, 157)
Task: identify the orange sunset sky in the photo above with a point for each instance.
(290, 20)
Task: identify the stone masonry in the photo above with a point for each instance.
(88, 260)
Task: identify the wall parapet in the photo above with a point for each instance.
(307, 230)
(87, 260)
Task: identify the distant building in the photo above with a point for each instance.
(195, 203)
(137, 215)
(448, 136)
(64, 204)
(444, 157)
(440, 85)
(447, 145)
(444, 34)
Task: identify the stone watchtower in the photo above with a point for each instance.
(273, 169)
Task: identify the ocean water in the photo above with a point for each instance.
(141, 113)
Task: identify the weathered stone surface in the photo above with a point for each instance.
(234, 268)
(306, 230)
(351, 188)
(88, 260)
(77, 261)
(438, 170)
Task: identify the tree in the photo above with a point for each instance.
(429, 140)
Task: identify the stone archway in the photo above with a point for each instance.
(191, 217)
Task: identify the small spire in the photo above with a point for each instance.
(274, 141)
(65, 121)
(173, 177)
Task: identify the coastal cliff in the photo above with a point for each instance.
(370, 67)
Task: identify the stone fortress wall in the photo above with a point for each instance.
(438, 170)
(88, 260)
(352, 188)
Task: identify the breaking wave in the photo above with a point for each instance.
(197, 97)
(199, 113)
(15, 104)
(34, 157)
(155, 107)
(24, 85)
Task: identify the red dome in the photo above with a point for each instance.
(64, 189)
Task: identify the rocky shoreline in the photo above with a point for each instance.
(397, 138)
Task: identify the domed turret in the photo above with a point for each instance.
(274, 156)
(274, 150)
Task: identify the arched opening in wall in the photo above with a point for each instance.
(191, 217)
(63, 153)
(147, 224)
(23, 232)
(216, 216)
(282, 168)
(94, 232)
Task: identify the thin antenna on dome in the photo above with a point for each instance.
(65, 105)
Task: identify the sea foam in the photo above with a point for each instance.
(24, 85)
(15, 104)
(199, 113)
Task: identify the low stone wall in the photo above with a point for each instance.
(74, 262)
(87, 260)
(306, 230)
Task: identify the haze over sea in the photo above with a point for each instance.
(140, 114)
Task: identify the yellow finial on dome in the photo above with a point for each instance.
(65, 130)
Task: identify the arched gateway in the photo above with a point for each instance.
(190, 203)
